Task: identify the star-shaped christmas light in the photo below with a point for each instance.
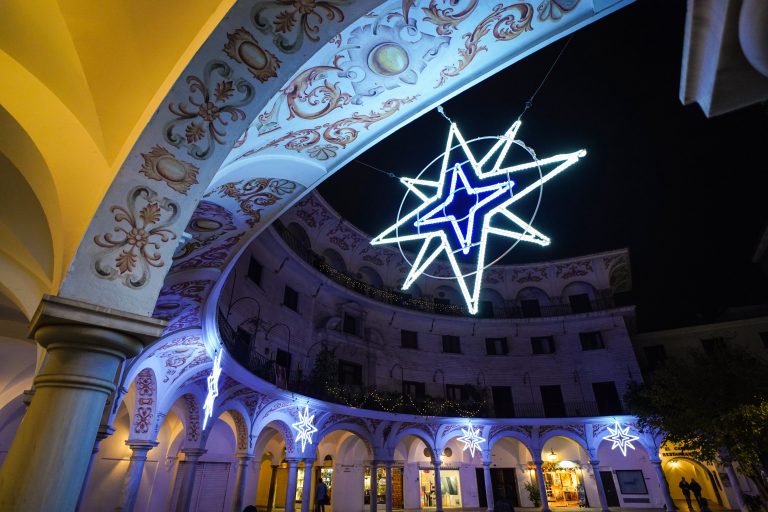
(490, 202)
(621, 438)
(304, 427)
(471, 439)
(213, 388)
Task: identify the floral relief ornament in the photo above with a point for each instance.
(212, 107)
(256, 194)
(132, 248)
(303, 15)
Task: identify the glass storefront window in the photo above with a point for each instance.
(450, 488)
(564, 484)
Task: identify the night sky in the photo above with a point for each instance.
(684, 193)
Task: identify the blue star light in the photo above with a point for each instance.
(455, 204)
(471, 439)
(304, 428)
(621, 438)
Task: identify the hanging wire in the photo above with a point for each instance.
(528, 105)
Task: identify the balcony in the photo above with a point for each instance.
(404, 300)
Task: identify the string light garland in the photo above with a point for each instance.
(621, 438)
(213, 388)
(305, 428)
(494, 193)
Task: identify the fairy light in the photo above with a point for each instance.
(430, 224)
(213, 388)
(621, 438)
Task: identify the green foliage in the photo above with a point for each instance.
(533, 493)
(714, 405)
(325, 373)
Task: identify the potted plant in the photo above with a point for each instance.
(533, 493)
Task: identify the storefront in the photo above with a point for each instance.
(564, 482)
(380, 486)
(450, 488)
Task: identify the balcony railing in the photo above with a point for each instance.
(398, 298)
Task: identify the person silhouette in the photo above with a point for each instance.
(696, 490)
(686, 488)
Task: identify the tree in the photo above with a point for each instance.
(325, 372)
(713, 404)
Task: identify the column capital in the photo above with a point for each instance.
(292, 462)
(487, 463)
(388, 463)
(55, 311)
(192, 454)
(140, 444)
(594, 462)
(538, 462)
(437, 462)
(244, 457)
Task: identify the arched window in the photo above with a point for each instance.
(300, 234)
(580, 296)
(530, 300)
(370, 276)
(335, 260)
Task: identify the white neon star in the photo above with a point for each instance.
(471, 439)
(213, 389)
(621, 438)
(305, 428)
(444, 195)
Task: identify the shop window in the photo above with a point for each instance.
(455, 392)
(409, 339)
(543, 344)
(607, 398)
(254, 271)
(655, 355)
(631, 481)
(531, 308)
(580, 303)
(502, 402)
(350, 374)
(496, 346)
(591, 340)
(291, 298)
(351, 324)
(449, 484)
(451, 344)
(764, 337)
(713, 345)
(413, 389)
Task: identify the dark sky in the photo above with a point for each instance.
(684, 193)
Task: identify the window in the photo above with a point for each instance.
(413, 389)
(607, 398)
(485, 309)
(655, 355)
(350, 325)
(552, 400)
(713, 345)
(580, 303)
(502, 402)
(543, 344)
(631, 481)
(496, 346)
(291, 298)
(531, 308)
(451, 344)
(254, 271)
(409, 339)
(591, 340)
(764, 337)
(455, 392)
(350, 374)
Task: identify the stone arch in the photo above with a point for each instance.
(495, 298)
(496, 436)
(300, 235)
(558, 432)
(370, 276)
(449, 293)
(353, 428)
(578, 287)
(675, 468)
(533, 292)
(265, 429)
(412, 431)
(241, 431)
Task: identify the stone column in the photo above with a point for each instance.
(290, 493)
(241, 478)
(388, 466)
(374, 467)
(599, 482)
(438, 486)
(663, 484)
(488, 485)
(132, 479)
(306, 492)
(48, 459)
(104, 432)
(271, 494)
(191, 456)
(736, 488)
(542, 485)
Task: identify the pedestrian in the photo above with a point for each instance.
(696, 490)
(321, 495)
(686, 488)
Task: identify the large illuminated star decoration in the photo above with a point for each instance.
(436, 217)
(213, 388)
(304, 427)
(621, 438)
(471, 439)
